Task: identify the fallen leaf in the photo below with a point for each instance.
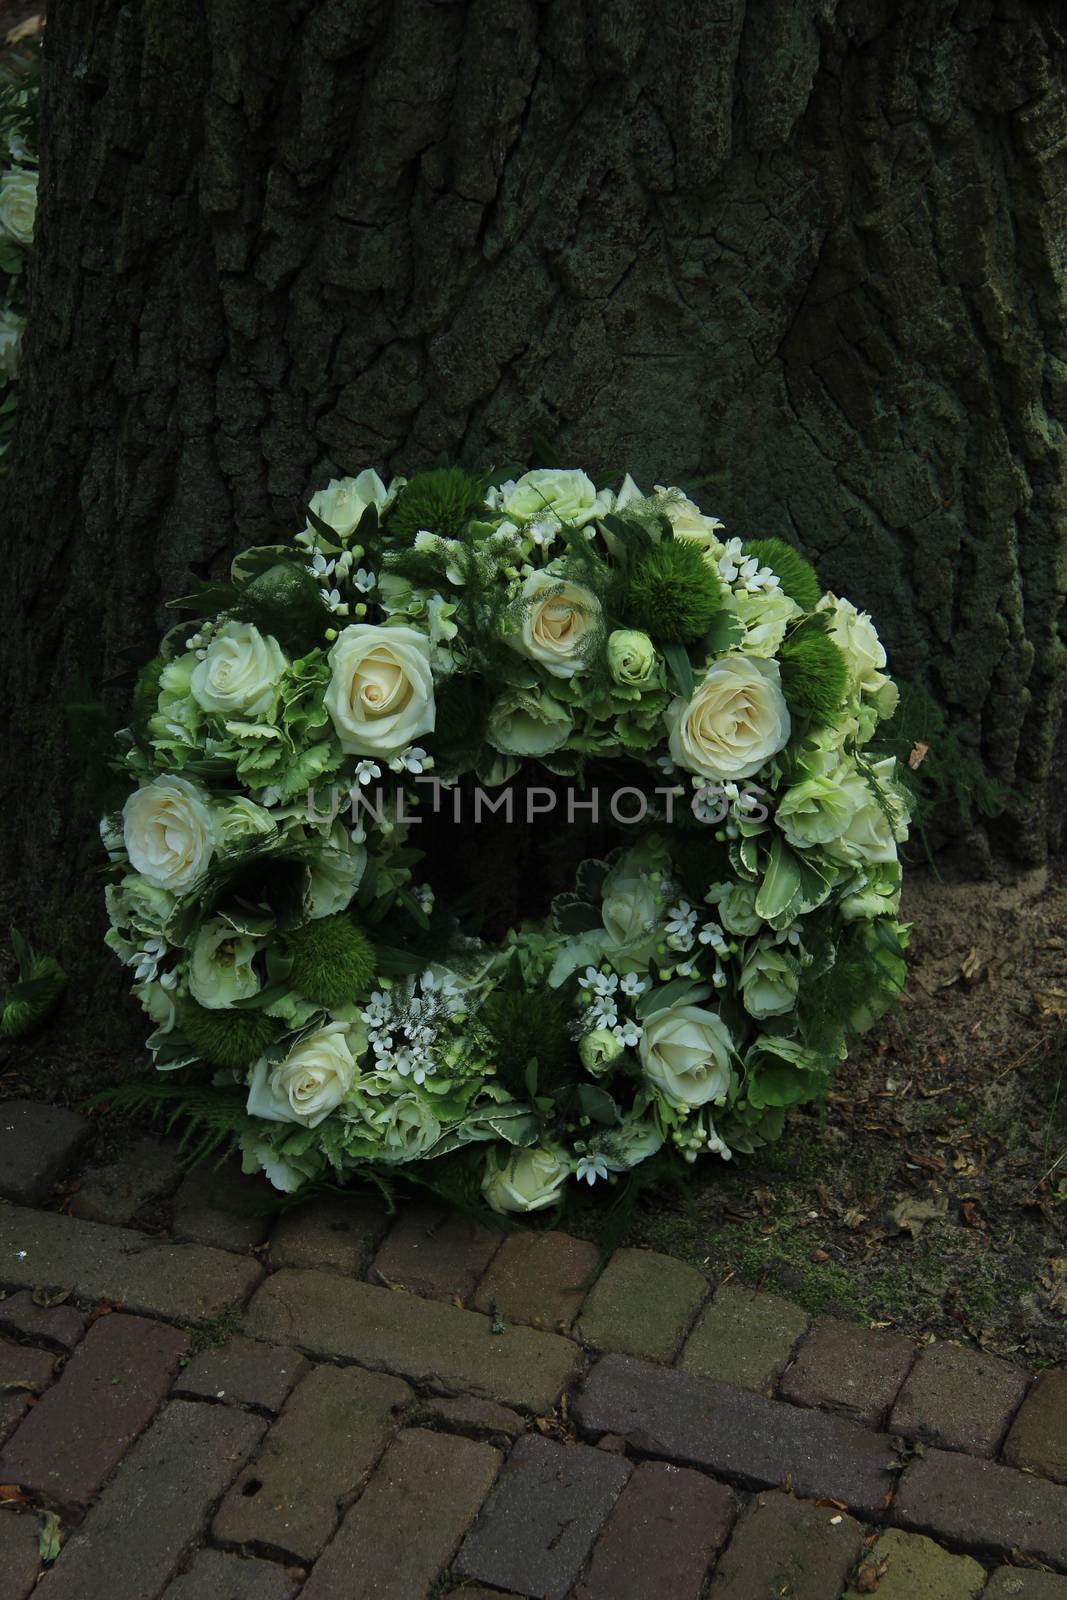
(47, 1298)
(1051, 1002)
(50, 1539)
(911, 1214)
(919, 751)
(11, 1494)
(870, 1575)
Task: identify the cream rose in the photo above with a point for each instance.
(857, 638)
(554, 493)
(558, 619)
(169, 833)
(18, 205)
(381, 692)
(685, 1052)
(736, 720)
(221, 968)
(688, 521)
(344, 500)
(239, 674)
(528, 1180)
(310, 1083)
(528, 722)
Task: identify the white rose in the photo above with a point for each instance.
(857, 638)
(688, 521)
(169, 833)
(310, 1083)
(239, 673)
(736, 720)
(527, 1181)
(557, 494)
(558, 618)
(11, 327)
(221, 966)
(18, 204)
(240, 818)
(344, 500)
(381, 693)
(685, 1052)
(871, 836)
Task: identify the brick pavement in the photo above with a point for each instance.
(340, 1404)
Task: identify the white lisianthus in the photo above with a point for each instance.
(381, 695)
(528, 1180)
(877, 823)
(685, 1052)
(310, 1083)
(136, 904)
(241, 819)
(344, 500)
(239, 673)
(819, 809)
(688, 521)
(632, 658)
(557, 494)
(857, 638)
(335, 872)
(736, 903)
(768, 983)
(169, 832)
(736, 720)
(407, 1129)
(158, 1003)
(558, 619)
(11, 329)
(18, 205)
(765, 615)
(221, 966)
(528, 722)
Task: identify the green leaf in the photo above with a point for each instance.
(681, 668)
(598, 1104)
(725, 633)
(680, 991)
(779, 894)
(571, 914)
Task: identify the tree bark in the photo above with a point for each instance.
(805, 254)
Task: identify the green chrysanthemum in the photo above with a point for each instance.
(814, 674)
(441, 502)
(796, 577)
(673, 593)
(333, 960)
(227, 1038)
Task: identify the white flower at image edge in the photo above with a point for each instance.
(310, 1083)
(557, 620)
(220, 966)
(239, 672)
(736, 720)
(18, 205)
(685, 1052)
(344, 500)
(380, 697)
(528, 1180)
(169, 832)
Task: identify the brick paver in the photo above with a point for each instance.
(466, 1414)
(331, 1433)
(24, 1373)
(744, 1337)
(850, 1369)
(1009, 1583)
(539, 1524)
(641, 1305)
(242, 1372)
(1038, 1436)
(37, 1144)
(110, 1389)
(116, 1192)
(661, 1536)
(58, 1326)
(183, 1282)
(432, 1344)
(958, 1399)
(402, 1531)
(908, 1566)
(218, 1575)
(212, 1207)
(155, 1506)
(539, 1278)
(435, 1253)
(20, 1558)
(789, 1548)
(983, 1507)
(736, 1434)
(339, 1234)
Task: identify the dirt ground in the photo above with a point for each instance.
(930, 1193)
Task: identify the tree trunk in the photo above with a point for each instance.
(806, 255)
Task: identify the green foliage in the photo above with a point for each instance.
(333, 960)
(146, 696)
(441, 501)
(41, 981)
(796, 577)
(814, 673)
(672, 593)
(226, 1038)
(524, 1025)
(214, 1118)
(285, 601)
(950, 777)
(463, 703)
